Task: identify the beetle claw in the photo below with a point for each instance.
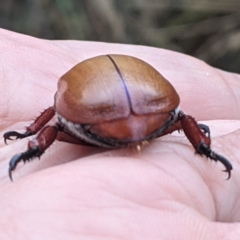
(12, 135)
(205, 129)
(24, 156)
(216, 157)
(203, 149)
(229, 173)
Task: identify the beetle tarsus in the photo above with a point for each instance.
(12, 135)
(203, 149)
(24, 156)
(205, 129)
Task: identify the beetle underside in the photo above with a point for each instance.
(198, 135)
(108, 135)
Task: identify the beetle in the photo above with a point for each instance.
(113, 101)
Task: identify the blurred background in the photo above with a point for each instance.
(206, 29)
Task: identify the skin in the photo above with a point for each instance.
(77, 192)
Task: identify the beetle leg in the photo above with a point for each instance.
(201, 142)
(205, 129)
(36, 147)
(176, 126)
(35, 127)
(12, 135)
(24, 156)
(203, 149)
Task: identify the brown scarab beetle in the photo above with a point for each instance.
(113, 101)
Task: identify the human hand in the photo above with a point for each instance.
(77, 192)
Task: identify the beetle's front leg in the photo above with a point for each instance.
(35, 127)
(205, 129)
(36, 147)
(199, 138)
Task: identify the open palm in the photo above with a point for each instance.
(77, 192)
